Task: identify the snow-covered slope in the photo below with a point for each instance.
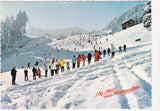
(77, 88)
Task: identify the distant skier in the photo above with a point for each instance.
(34, 73)
(113, 49)
(108, 51)
(39, 73)
(120, 50)
(73, 61)
(61, 63)
(26, 75)
(124, 47)
(89, 57)
(22, 66)
(46, 69)
(53, 67)
(78, 61)
(104, 53)
(57, 66)
(96, 56)
(28, 66)
(13, 74)
(36, 63)
(83, 58)
(100, 55)
(68, 68)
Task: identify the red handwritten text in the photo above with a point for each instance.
(112, 92)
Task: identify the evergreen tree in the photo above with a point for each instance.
(146, 16)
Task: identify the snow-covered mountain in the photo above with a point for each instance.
(134, 13)
(33, 31)
(82, 88)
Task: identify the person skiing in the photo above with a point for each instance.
(73, 61)
(13, 74)
(57, 66)
(22, 66)
(112, 50)
(26, 74)
(96, 55)
(100, 55)
(124, 47)
(83, 58)
(53, 67)
(89, 57)
(39, 73)
(34, 73)
(108, 51)
(61, 63)
(104, 53)
(120, 50)
(36, 63)
(28, 66)
(46, 69)
(68, 68)
(78, 61)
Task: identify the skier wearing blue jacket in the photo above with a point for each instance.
(73, 61)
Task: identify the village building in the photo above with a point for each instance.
(128, 24)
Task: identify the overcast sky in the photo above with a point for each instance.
(53, 15)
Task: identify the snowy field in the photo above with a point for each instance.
(77, 89)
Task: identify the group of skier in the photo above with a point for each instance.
(55, 65)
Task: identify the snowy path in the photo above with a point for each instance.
(70, 89)
(76, 89)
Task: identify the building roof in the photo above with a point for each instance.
(128, 21)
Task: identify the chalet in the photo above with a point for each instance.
(128, 24)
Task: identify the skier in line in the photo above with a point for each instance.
(28, 66)
(57, 66)
(13, 74)
(120, 50)
(61, 63)
(34, 73)
(89, 57)
(100, 55)
(124, 47)
(108, 50)
(96, 55)
(104, 53)
(83, 58)
(22, 66)
(53, 67)
(26, 74)
(39, 73)
(112, 50)
(68, 68)
(78, 61)
(73, 61)
(46, 69)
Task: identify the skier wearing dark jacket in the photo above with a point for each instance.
(26, 75)
(34, 73)
(124, 47)
(100, 54)
(89, 57)
(104, 53)
(108, 50)
(13, 74)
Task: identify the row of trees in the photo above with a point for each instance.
(13, 29)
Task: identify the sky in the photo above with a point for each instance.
(93, 15)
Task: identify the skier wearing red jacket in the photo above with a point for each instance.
(96, 55)
(78, 61)
(84, 58)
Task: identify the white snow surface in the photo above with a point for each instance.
(76, 89)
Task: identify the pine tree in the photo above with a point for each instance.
(146, 16)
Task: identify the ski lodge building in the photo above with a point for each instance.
(128, 24)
